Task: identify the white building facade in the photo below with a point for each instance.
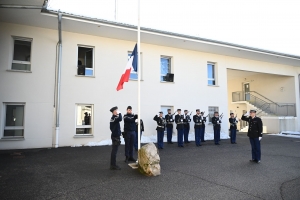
(206, 76)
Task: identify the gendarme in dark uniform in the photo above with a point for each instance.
(161, 122)
(186, 120)
(169, 121)
(203, 127)
(179, 127)
(216, 121)
(198, 126)
(129, 133)
(255, 134)
(233, 121)
(115, 136)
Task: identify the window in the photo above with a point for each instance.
(164, 109)
(165, 68)
(21, 54)
(134, 74)
(211, 112)
(84, 120)
(85, 61)
(14, 120)
(211, 74)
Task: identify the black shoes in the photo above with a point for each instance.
(203, 141)
(126, 159)
(170, 142)
(132, 159)
(116, 167)
(255, 161)
(187, 142)
(217, 144)
(181, 146)
(199, 145)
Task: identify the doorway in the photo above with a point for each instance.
(247, 91)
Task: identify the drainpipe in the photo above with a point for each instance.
(58, 75)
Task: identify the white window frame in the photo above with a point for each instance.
(215, 110)
(12, 127)
(141, 67)
(170, 67)
(93, 68)
(215, 73)
(18, 61)
(85, 126)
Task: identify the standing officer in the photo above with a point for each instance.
(179, 127)
(254, 134)
(136, 133)
(198, 127)
(203, 127)
(216, 121)
(129, 129)
(115, 136)
(187, 120)
(161, 123)
(169, 120)
(233, 121)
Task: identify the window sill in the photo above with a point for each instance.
(135, 80)
(12, 138)
(84, 136)
(85, 76)
(22, 71)
(213, 85)
(167, 82)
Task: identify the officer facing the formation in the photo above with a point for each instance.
(198, 126)
(136, 133)
(203, 127)
(169, 121)
(187, 120)
(115, 136)
(254, 134)
(233, 121)
(129, 133)
(161, 122)
(216, 121)
(180, 127)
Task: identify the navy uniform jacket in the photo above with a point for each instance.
(255, 126)
(215, 121)
(169, 120)
(198, 121)
(179, 121)
(187, 121)
(129, 122)
(233, 123)
(161, 123)
(115, 125)
(142, 126)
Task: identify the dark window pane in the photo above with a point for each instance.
(13, 132)
(22, 50)
(83, 130)
(211, 82)
(85, 57)
(17, 66)
(14, 115)
(84, 115)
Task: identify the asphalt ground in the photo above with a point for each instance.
(206, 172)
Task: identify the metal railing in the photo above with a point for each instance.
(264, 104)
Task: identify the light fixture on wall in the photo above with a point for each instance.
(282, 89)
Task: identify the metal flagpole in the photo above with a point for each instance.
(139, 77)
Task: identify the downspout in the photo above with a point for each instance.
(58, 75)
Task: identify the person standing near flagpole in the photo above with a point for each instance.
(129, 130)
(254, 133)
(180, 127)
(115, 136)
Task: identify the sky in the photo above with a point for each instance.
(266, 24)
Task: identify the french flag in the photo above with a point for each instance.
(131, 65)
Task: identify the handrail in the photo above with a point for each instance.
(264, 97)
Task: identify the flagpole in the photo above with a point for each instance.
(139, 77)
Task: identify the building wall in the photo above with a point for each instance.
(36, 89)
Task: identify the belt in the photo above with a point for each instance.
(170, 122)
(161, 126)
(198, 123)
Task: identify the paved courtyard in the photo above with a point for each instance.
(207, 172)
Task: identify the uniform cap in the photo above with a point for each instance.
(129, 107)
(197, 110)
(202, 112)
(231, 113)
(160, 112)
(185, 110)
(179, 109)
(113, 109)
(252, 111)
(169, 109)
